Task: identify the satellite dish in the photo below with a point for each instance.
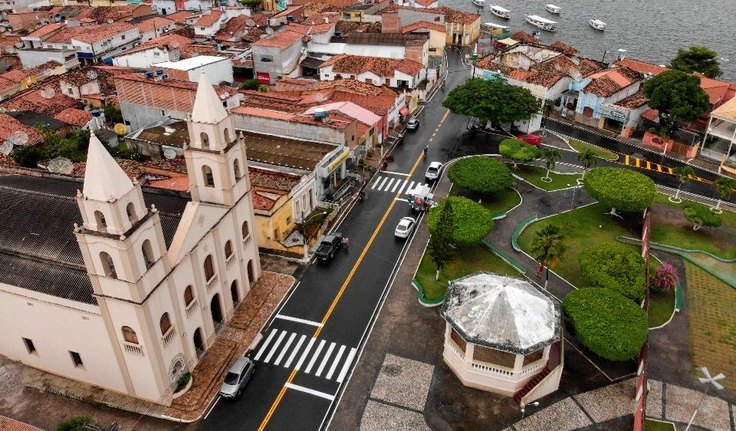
(61, 165)
(48, 93)
(269, 31)
(250, 23)
(169, 153)
(19, 138)
(6, 148)
(92, 74)
(121, 129)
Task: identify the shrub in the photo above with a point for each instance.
(28, 156)
(615, 267)
(75, 423)
(666, 277)
(471, 221)
(481, 175)
(620, 188)
(518, 150)
(183, 381)
(607, 323)
(251, 84)
(700, 215)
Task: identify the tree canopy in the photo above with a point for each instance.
(697, 59)
(616, 267)
(620, 188)
(678, 97)
(700, 215)
(548, 246)
(481, 175)
(493, 101)
(439, 247)
(518, 150)
(608, 324)
(471, 221)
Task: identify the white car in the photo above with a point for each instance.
(433, 171)
(404, 228)
(413, 124)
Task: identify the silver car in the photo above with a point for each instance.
(237, 377)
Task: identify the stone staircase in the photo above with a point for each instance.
(531, 384)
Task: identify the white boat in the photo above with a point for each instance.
(497, 30)
(597, 24)
(553, 8)
(479, 3)
(501, 12)
(542, 23)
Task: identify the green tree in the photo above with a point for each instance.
(725, 187)
(683, 174)
(518, 151)
(548, 248)
(620, 188)
(481, 175)
(75, 423)
(616, 267)
(607, 323)
(471, 221)
(27, 156)
(492, 100)
(588, 158)
(697, 59)
(700, 215)
(251, 84)
(440, 243)
(550, 157)
(678, 97)
(112, 115)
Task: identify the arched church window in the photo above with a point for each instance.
(164, 323)
(209, 179)
(130, 210)
(108, 265)
(228, 249)
(245, 230)
(129, 335)
(209, 268)
(236, 169)
(100, 220)
(205, 139)
(147, 250)
(188, 295)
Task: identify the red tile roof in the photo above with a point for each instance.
(634, 101)
(9, 125)
(92, 34)
(153, 24)
(610, 81)
(180, 16)
(232, 28)
(641, 66)
(311, 29)
(74, 116)
(272, 180)
(280, 39)
(8, 424)
(421, 25)
(209, 19)
(169, 41)
(380, 66)
(455, 16)
(46, 29)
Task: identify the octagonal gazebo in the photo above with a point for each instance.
(503, 335)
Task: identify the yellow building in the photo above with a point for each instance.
(274, 209)
(437, 35)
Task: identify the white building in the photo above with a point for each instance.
(132, 314)
(218, 69)
(503, 335)
(167, 7)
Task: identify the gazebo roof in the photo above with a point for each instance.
(503, 313)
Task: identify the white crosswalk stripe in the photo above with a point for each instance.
(391, 184)
(318, 353)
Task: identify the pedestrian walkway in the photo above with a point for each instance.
(320, 362)
(392, 182)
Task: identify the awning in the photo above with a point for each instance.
(404, 111)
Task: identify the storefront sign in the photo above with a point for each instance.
(264, 78)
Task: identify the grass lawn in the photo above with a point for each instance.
(652, 425)
(669, 226)
(497, 204)
(598, 151)
(534, 174)
(712, 323)
(583, 228)
(661, 305)
(466, 261)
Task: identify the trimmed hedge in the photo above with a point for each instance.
(607, 323)
(518, 150)
(481, 175)
(619, 188)
(471, 221)
(701, 215)
(616, 267)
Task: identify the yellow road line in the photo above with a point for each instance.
(344, 286)
(659, 167)
(671, 171)
(627, 160)
(649, 165)
(638, 162)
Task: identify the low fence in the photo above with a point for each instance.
(520, 229)
(642, 384)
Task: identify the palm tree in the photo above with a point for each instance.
(683, 174)
(548, 248)
(588, 158)
(550, 157)
(725, 187)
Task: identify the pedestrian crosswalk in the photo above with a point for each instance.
(280, 349)
(393, 184)
(652, 166)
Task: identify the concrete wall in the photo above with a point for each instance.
(144, 59)
(301, 131)
(140, 116)
(281, 60)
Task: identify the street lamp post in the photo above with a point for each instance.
(713, 382)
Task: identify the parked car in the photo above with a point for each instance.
(328, 246)
(405, 227)
(433, 171)
(413, 124)
(531, 139)
(237, 377)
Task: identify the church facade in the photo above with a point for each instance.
(152, 308)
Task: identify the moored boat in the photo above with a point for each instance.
(479, 3)
(542, 23)
(597, 24)
(501, 12)
(553, 9)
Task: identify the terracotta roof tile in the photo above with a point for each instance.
(634, 101)
(209, 19)
(610, 81)
(181, 16)
(74, 116)
(380, 66)
(421, 25)
(280, 39)
(311, 29)
(46, 29)
(93, 34)
(232, 27)
(153, 24)
(9, 125)
(456, 16)
(169, 41)
(272, 180)
(8, 424)
(641, 66)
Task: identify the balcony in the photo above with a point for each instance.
(168, 336)
(133, 349)
(191, 307)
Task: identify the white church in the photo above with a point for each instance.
(145, 297)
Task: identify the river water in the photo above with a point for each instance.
(649, 30)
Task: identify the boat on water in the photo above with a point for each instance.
(597, 24)
(553, 8)
(498, 31)
(501, 12)
(542, 23)
(479, 3)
